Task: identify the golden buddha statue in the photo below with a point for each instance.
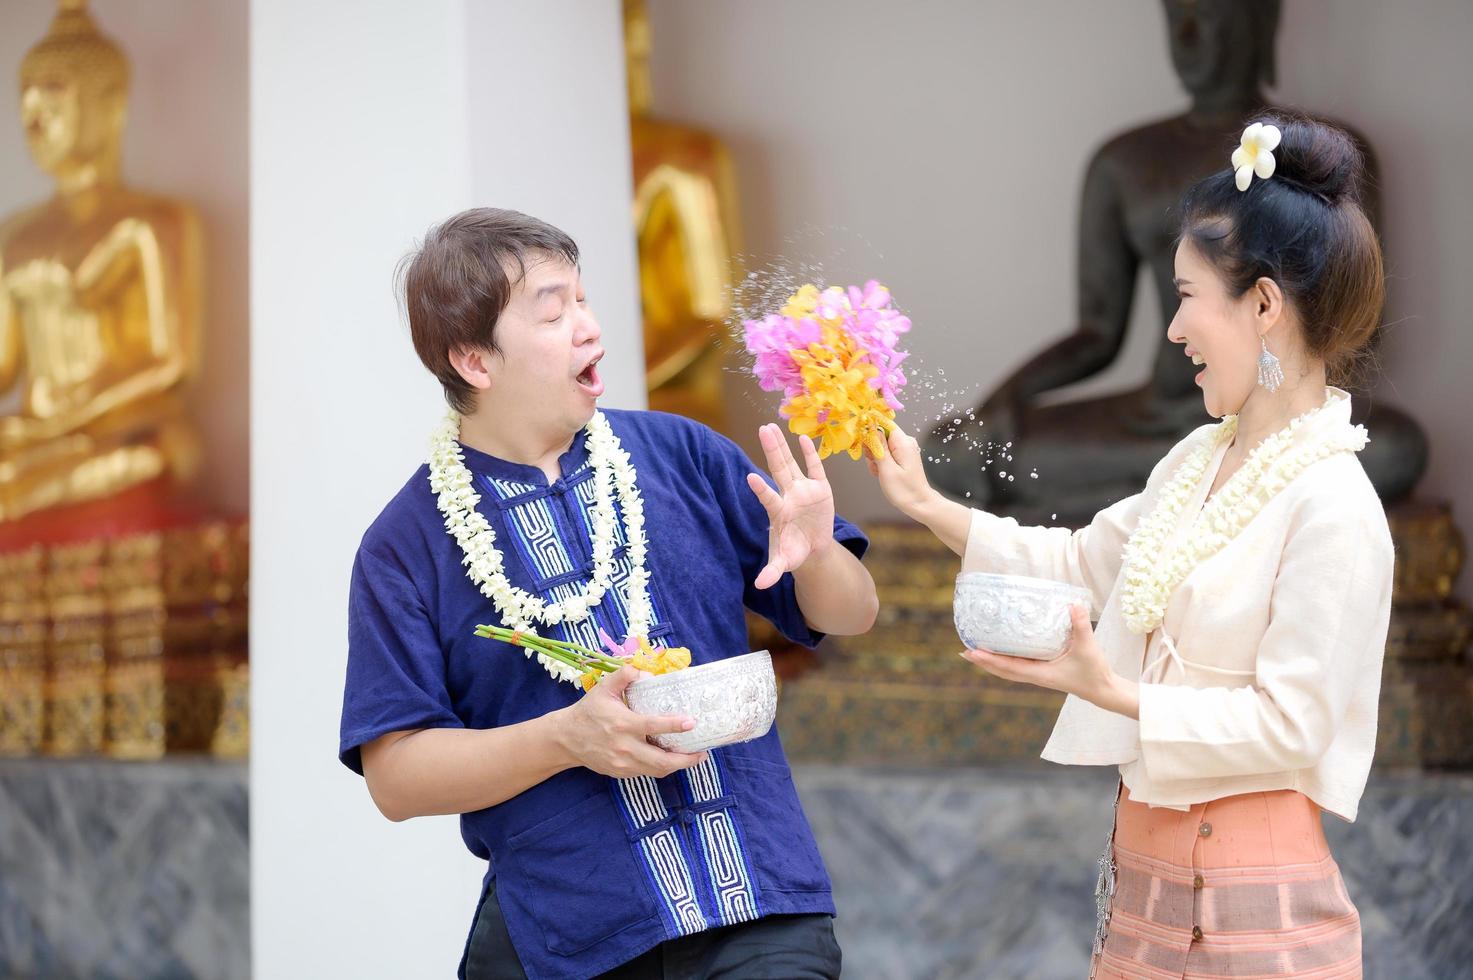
(685, 220)
(99, 298)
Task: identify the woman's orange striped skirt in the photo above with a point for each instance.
(1239, 887)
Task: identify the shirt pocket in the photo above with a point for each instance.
(575, 876)
(785, 857)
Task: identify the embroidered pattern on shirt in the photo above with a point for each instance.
(535, 525)
(663, 856)
(725, 858)
(540, 541)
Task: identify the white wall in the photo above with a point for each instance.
(1401, 74)
(936, 146)
(941, 146)
(370, 122)
(186, 137)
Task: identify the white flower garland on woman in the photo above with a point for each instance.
(613, 475)
(1152, 576)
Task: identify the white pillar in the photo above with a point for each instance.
(370, 121)
(550, 137)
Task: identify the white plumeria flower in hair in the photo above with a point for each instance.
(1255, 154)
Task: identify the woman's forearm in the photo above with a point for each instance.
(950, 521)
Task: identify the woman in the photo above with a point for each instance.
(1243, 595)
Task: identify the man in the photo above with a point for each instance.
(607, 854)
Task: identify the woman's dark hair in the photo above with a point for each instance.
(460, 279)
(1305, 229)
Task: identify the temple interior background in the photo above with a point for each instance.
(170, 800)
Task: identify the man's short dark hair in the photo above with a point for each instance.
(459, 280)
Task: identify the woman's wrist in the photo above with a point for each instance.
(1115, 693)
(927, 507)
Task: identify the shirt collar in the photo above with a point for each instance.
(497, 468)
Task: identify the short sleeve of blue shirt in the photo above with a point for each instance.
(726, 467)
(396, 667)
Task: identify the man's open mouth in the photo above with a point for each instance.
(589, 380)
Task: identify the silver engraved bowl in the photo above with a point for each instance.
(732, 700)
(1015, 614)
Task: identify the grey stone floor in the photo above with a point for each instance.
(989, 873)
(124, 871)
(111, 870)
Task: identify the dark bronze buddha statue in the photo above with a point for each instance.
(1090, 453)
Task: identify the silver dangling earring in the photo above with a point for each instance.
(1270, 375)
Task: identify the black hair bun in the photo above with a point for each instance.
(1317, 158)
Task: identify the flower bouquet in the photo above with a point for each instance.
(732, 700)
(832, 353)
(592, 664)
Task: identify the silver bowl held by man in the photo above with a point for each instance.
(732, 700)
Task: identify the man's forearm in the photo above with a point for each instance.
(459, 770)
(836, 593)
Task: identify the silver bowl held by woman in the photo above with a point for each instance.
(1015, 614)
(732, 700)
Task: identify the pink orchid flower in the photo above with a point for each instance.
(626, 649)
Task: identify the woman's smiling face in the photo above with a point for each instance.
(1220, 333)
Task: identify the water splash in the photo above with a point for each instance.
(933, 402)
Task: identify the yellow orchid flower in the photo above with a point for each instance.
(841, 386)
(802, 303)
(664, 660)
(676, 658)
(644, 659)
(839, 408)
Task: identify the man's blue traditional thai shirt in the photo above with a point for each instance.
(591, 871)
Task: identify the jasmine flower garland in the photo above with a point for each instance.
(614, 476)
(1151, 576)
